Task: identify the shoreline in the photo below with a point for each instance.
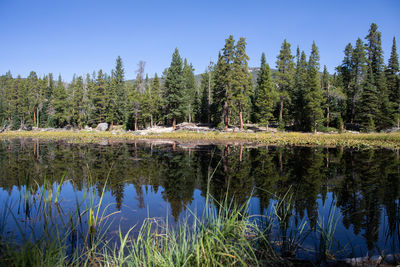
(351, 140)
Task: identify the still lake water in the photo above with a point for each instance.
(167, 180)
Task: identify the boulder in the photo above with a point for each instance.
(102, 126)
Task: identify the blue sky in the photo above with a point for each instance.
(79, 37)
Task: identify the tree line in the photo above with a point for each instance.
(363, 92)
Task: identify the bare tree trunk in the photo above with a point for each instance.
(136, 123)
(34, 117)
(174, 123)
(37, 117)
(111, 126)
(151, 120)
(190, 113)
(281, 111)
(327, 117)
(241, 119)
(225, 115)
(241, 153)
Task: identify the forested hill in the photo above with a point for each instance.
(364, 92)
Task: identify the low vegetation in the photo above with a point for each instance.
(371, 140)
(45, 233)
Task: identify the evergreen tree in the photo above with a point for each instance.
(48, 87)
(59, 104)
(174, 90)
(204, 110)
(314, 97)
(99, 99)
(334, 98)
(9, 97)
(259, 82)
(357, 76)
(285, 66)
(157, 104)
(77, 102)
(392, 81)
(376, 65)
(369, 103)
(266, 94)
(119, 91)
(147, 100)
(241, 80)
(299, 92)
(222, 81)
(190, 89)
(35, 91)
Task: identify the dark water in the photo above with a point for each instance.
(166, 180)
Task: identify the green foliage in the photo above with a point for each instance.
(369, 104)
(226, 92)
(77, 102)
(285, 76)
(242, 86)
(384, 115)
(59, 104)
(266, 94)
(118, 90)
(190, 89)
(299, 92)
(174, 95)
(314, 97)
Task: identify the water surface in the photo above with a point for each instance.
(149, 180)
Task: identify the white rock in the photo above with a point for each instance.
(102, 126)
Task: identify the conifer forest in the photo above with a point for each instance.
(296, 92)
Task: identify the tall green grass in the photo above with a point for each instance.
(222, 234)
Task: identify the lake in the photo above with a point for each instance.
(168, 180)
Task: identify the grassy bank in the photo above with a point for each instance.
(370, 140)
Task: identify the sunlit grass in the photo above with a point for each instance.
(362, 140)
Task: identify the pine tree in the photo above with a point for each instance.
(285, 66)
(222, 81)
(299, 92)
(9, 97)
(259, 82)
(203, 114)
(241, 80)
(59, 104)
(190, 89)
(174, 90)
(376, 65)
(333, 97)
(266, 94)
(146, 104)
(35, 92)
(314, 97)
(23, 107)
(77, 102)
(369, 103)
(48, 87)
(392, 81)
(357, 76)
(99, 99)
(119, 91)
(157, 103)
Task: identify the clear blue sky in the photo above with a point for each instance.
(79, 37)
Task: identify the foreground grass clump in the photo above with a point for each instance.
(48, 235)
(366, 140)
